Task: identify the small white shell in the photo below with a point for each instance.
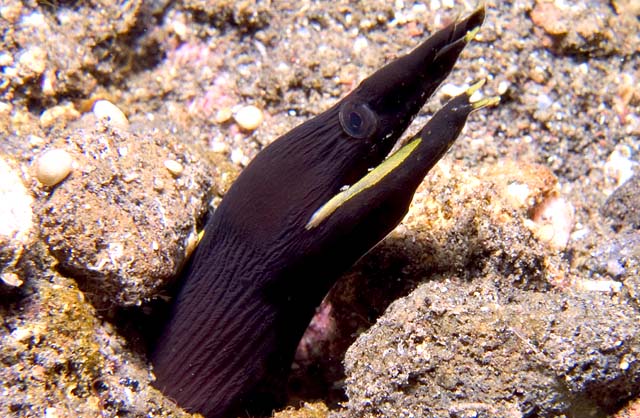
(249, 117)
(11, 279)
(53, 166)
(104, 109)
(174, 167)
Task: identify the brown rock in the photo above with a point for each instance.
(108, 225)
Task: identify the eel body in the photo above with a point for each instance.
(287, 229)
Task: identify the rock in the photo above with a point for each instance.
(105, 110)
(622, 208)
(59, 356)
(583, 28)
(59, 115)
(53, 166)
(618, 257)
(632, 410)
(467, 223)
(32, 61)
(16, 222)
(110, 225)
(61, 52)
(223, 115)
(459, 217)
(307, 410)
(459, 349)
(174, 167)
(551, 18)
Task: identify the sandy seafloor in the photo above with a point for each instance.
(512, 288)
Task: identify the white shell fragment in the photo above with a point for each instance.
(451, 90)
(33, 60)
(503, 87)
(174, 167)
(591, 285)
(104, 109)
(223, 115)
(191, 243)
(16, 216)
(16, 222)
(11, 279)
(249, 117)
(53, 166)
(554, 218)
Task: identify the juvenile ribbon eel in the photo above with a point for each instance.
(286, 230)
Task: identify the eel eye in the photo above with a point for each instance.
(358, 120)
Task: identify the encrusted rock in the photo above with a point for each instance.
(459, 349)
(110, 227)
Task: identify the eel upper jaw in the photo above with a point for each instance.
(397, 92)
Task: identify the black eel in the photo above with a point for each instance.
(287, 229)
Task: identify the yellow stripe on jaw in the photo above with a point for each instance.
(388, 165)
(371, 179)
(468, 37)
